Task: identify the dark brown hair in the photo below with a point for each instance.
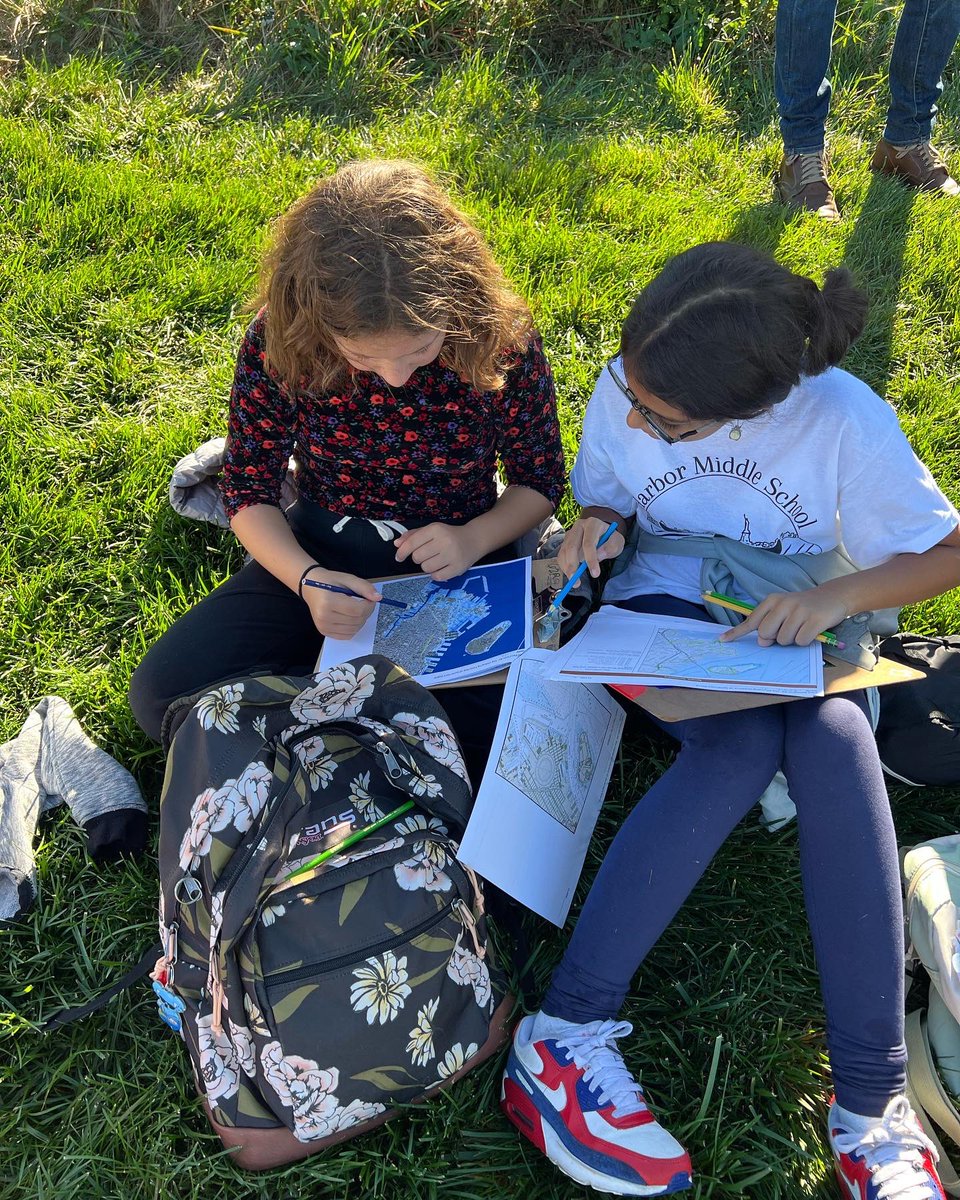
(378, 246)
(725, 331)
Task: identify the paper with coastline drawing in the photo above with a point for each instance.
(448, 632)
(546, 777)
(617, 646)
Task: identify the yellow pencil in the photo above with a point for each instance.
(741, 606)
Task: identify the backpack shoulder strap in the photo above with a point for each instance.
(928, 1097)
(67, 1015)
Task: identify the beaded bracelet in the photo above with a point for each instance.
(312, 567)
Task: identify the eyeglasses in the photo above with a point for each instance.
(651, 418)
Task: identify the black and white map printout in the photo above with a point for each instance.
(546, 777)
(617, 646)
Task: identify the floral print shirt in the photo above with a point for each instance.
(425, 451)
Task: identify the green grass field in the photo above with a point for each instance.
(144, 150)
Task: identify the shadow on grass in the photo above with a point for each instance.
(761, 225)
(875, 254)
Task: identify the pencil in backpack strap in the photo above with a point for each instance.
(928, 1097)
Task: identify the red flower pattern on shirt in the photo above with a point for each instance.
(434, 445)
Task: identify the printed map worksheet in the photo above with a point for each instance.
(618, 646)
(447, 632)
(546, 778)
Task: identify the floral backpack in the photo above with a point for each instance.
(325, 955)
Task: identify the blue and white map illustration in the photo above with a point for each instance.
(469, 625)
(446, 632)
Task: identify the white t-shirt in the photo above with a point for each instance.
(829, 466)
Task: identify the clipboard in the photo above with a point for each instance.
(678, 704)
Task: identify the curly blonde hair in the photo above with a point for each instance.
(378, 246)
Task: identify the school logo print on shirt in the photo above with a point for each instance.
(731, 495)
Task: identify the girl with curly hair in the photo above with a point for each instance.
(391, 358)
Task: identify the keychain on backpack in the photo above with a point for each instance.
(169, 1006)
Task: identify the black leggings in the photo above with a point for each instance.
(253, 623)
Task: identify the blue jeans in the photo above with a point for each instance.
(926, 36)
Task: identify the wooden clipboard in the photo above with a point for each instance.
(677, 704)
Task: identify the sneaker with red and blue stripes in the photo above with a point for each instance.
(892, 1159)
(573, 1097)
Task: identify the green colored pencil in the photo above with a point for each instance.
(349, 840)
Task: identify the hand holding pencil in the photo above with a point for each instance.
(341, 605)
(786, 618)
(589, 540)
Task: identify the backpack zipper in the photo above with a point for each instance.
(393, 770)
(341, 875)
(326, 965)
(240, 862)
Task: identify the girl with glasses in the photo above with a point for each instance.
(727, 413)
(390, 356)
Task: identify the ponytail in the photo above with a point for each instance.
(725, 331)
(837, 320)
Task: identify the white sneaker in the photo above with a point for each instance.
(893, 1160)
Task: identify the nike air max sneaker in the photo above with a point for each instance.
(574, 1098)
(892, 1160)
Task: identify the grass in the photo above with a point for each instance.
(144, 150)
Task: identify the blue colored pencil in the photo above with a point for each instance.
(345, 591)
(575, 577)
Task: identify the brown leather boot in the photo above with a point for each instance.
(802, 182)
(919, 165)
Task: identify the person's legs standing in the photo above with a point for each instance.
(804, 36)
(926, 36)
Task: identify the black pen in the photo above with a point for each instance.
(345, 591)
